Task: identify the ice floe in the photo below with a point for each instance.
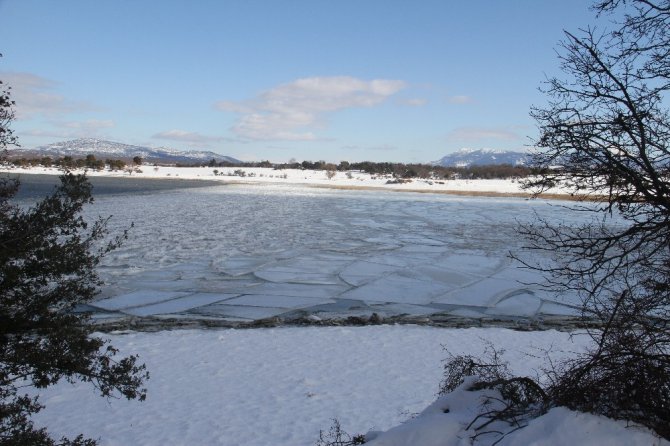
(248, 252)
(178, 304)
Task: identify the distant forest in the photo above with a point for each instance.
(395, 170)
(69, 162)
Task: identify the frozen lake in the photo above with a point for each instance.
(244, 252)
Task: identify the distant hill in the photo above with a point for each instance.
(482, 157)
(109, 149)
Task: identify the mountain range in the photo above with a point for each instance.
(109, 149)
(482, 157)
(103, 149)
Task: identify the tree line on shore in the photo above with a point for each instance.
(396, 170)
(70, 162)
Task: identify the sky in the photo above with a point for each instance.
(355, 80)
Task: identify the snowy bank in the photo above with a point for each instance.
(449, 422)
(316, 178)
(282, 386)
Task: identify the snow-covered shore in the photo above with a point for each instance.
(317, 178)
(281, 386)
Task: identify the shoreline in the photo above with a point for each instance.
(493, 188)
(153, 323)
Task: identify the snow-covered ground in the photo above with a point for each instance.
(281, 386)
(304, 177)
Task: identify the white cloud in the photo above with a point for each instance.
(380, 148)
(384, 148)
(71, 129)
(291, 111)
(34, 95)
(47, 134)
(460, 99)
(187, 137)
(88, 125)
(470, 134)
(415, 102)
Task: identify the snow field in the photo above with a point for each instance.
(270, 176)
(281, 386)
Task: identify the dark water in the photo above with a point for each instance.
(36, 186)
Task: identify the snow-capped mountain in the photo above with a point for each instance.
(110, 149)
(482, 157)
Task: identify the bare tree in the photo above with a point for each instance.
(605, 136)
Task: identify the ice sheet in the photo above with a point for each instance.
(289, 302)
(317, 249)
(362, 271)
(397, 288)
(178, 305)
(485, 293)
(236, 312)
(518, 303)
(135, 299)
(297, 290)
(238, 266)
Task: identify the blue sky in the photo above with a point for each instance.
(379, 80)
